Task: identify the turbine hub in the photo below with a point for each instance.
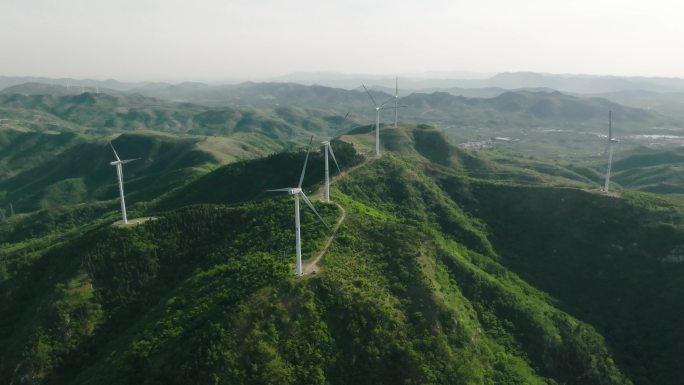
(295, 190)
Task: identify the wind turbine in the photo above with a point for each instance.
(396, 101)
(328, 149)
(377, 118)
(297, 192)
(609, 146)
(119, 172)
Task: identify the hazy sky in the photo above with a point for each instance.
(222, 40)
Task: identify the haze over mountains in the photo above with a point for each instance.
(572, 83)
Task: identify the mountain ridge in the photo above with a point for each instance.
(422, 284)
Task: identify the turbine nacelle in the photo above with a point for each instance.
(115, 162)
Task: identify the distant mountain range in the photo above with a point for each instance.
(284, 109)
(539, 121)
(129, 112)
(572, 83)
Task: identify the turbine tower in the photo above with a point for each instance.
(119, 173)
(377, 118)
(609, 146)
(297, 192)
(396, 101)
(328, 149)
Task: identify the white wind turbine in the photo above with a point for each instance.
(119, 172)
(396, 101)
(328, 149)
(609, 148)
(297, 192)
(377, 118)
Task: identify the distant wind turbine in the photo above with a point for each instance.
(609, 146)
(378, 107)
(297, 192)
(396, 101)
(119, 172)
(11, 210)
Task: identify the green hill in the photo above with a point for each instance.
(450, 267)
(613, 262)
(81, 173)
(542, 123)
(650, 170)
(98, 113)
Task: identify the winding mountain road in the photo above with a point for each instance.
(313, 267)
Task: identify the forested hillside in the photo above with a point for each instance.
(449, 267)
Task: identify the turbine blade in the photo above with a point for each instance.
(115, 154)
(280, 189)
(129, 160)
(308, 202)
(369, 94)
(387, 101)
(345, 117)
(340, 125)
(306, 160)
(333, 157)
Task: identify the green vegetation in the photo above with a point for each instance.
(451, 267)
(96, 113)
